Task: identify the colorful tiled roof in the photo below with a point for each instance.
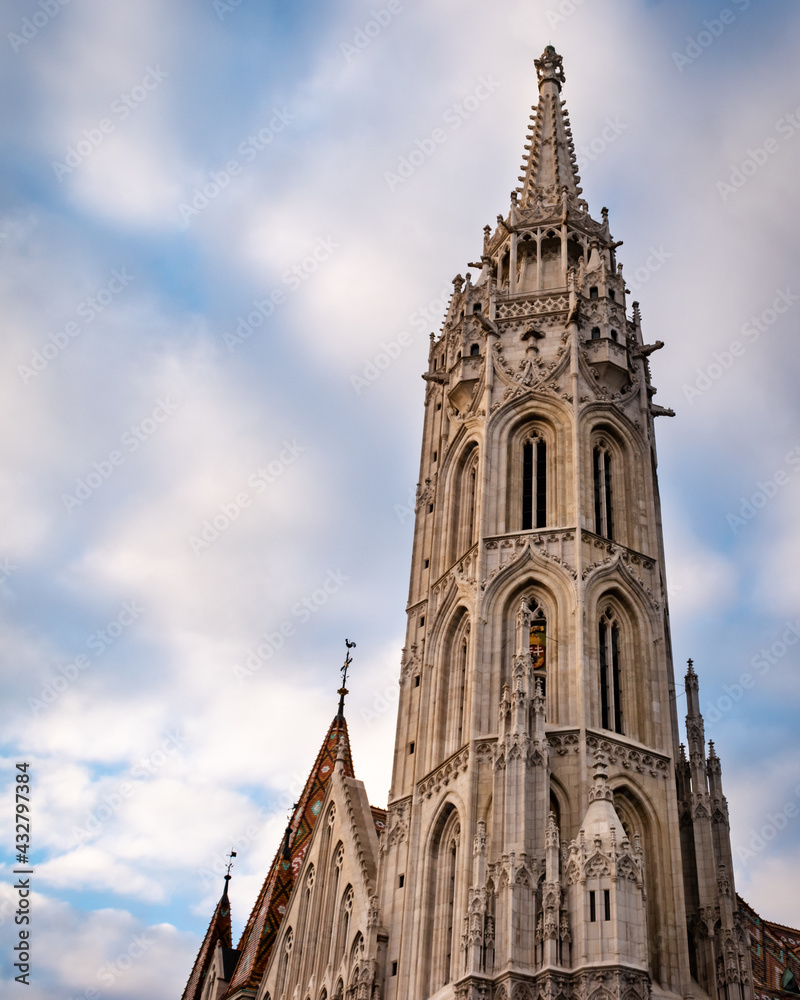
(262, 927)
(379, 819)
(219, 930)
(773, 949)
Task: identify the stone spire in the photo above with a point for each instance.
(550, 168)
(218, 935)
(258, 937)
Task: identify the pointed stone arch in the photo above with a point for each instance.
(612, 456)
(530, 577)
(445, 716)
(622, 628)
(442, 902)
(639, 817)
(460, 486)
(533, 478)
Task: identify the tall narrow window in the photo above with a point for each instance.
(592, 907)
(471, 497)
(283, 970)
(538, 635)
(534, 484)
(345, 915)
(464, 512)
(451, 903)
(610, 690)
(442, 931)
(601, 467)
(462, 692)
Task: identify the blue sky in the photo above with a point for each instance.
(127, 431)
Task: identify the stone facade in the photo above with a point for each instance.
(546, 836)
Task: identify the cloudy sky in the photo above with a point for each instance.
(205, 245)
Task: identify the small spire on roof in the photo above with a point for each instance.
(232, 855)
(348, 659)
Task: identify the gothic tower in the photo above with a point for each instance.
(546, 836)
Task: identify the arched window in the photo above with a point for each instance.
(593, 292)
(595, 333)
(450, 909)
(534, 483)
(537, 635)
(211, 982)
(475, 349)
(450, 715)
(345, 916)
(472, 497)
(283, 968)
(464, 508)
(461, 685)
(442, 931)
(614, 335)
(333, 896)
(601, 467)
(609, 657)
(305, 929)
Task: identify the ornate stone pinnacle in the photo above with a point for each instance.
(600, 789)
(549, 66)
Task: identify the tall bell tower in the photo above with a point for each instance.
(546, 834)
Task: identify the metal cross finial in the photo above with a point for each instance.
(232, 855)
(348, 659)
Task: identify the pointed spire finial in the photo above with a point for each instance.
(549, 66)
(232, 855)
(348, 659)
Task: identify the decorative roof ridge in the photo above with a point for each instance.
(219, 929)
(260, 931)
(771, 923)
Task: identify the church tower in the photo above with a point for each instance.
(545, 834)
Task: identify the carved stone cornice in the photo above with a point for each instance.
(444, 774)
